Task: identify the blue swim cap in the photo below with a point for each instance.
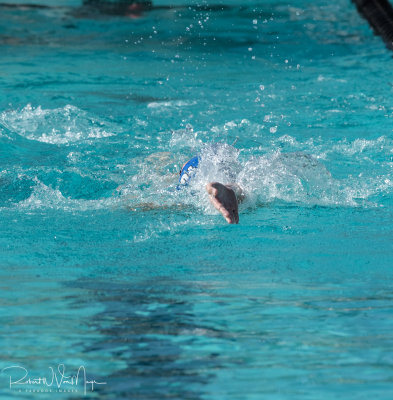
(188, 171)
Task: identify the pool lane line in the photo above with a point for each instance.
(379, 14)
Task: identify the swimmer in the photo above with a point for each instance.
(227, 181)
(224, 194)
(137, 8)
(129, 8)
(224, 197)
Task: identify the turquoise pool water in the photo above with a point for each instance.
(104, 265)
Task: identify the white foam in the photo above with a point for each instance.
(46, 197)
(170, 104)
(276, 168)
(56, 126)
(295, 176)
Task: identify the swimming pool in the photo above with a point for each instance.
(106, 266)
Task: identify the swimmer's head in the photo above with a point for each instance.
(188, 171)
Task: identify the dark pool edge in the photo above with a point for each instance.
(379, 14)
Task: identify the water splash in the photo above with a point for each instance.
(269, 168)
(298, 175)
(56, 126)
(46, 197)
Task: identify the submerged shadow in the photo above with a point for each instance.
(150, 329)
